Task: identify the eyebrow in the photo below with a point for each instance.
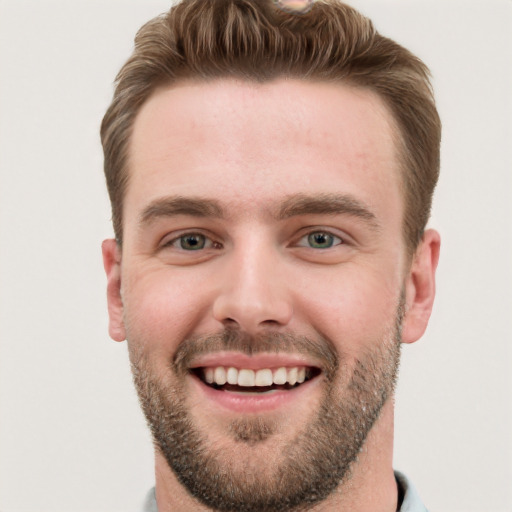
(327, 204)
(293, 206)
(179, 205)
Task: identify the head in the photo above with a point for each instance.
(271, 174)
(261, 41)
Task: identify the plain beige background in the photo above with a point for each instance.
(72, 438)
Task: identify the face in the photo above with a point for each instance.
(262, 283)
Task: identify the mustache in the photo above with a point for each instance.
(320, 349)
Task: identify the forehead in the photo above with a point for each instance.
(249, 144)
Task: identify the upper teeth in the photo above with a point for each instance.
(249, 378)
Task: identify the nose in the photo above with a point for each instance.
(253, 294)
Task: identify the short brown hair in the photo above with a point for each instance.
(257, 40)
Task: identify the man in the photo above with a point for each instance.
(271, 167)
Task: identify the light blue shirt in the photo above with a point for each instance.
(411, 502)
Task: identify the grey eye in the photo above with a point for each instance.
(322, 240)
(192, 242)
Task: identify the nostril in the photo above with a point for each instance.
(250, 309)
(271, 323)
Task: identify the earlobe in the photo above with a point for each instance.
(420, 287)
(112, 264)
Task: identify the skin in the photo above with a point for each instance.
(252, 147)
(294, 6)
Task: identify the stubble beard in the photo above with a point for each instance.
(313, 464)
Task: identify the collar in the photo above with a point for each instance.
(411, 500)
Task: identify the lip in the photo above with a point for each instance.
(248, 402)
(254, 362)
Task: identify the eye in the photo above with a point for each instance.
(191, 242)
(320, 240)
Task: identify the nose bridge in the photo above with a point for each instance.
(253, 294)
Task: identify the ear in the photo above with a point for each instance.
(420, 287)
(112, 264)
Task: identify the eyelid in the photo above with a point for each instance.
(343, 238)
(172, 238)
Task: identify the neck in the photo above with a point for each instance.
(371, 486)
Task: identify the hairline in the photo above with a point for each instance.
(400, 149)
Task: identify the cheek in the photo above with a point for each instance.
(162, 307)
(355, 311)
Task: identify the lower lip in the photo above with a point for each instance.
(251, 402)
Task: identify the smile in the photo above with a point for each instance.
(243, 383)
(253, 384)
(259, 381)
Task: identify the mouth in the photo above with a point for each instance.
(255, 381)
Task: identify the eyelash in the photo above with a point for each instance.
(210, 244)
(336, 240)
(179, 240)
